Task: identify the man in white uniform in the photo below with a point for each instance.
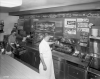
(46, 65)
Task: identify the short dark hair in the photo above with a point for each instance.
(48, 34)
(15, 23)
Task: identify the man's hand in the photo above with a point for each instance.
(43, 63)
(17, 45)
(28, 36)
(24, 39)
(44, 67)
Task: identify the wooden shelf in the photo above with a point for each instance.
(44, 31)
(93, 37)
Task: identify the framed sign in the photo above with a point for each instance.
(70, 23)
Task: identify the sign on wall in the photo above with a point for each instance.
(70, 26)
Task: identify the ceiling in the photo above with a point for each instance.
(38, 4)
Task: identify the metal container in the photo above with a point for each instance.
(94, 32)
(95, 43)
(96, 46)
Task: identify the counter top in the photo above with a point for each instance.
(29, 46)
(70, 58)
(63, 56)
(13, 69)
(75, 60)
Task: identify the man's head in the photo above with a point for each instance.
(41, 36)
(13, 33)
(47, 36)
(2, 22)
(15, 25)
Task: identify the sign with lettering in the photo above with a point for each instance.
(90, 14)
(70, 23)
(70, 31)
(83, 29)
(70, 26)
(82, 24)
(82, 20)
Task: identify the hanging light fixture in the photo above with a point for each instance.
(10, 3)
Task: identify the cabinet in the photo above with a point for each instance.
(31, 57)
(59, 67)
(67, 70)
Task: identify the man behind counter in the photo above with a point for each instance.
(46, 65)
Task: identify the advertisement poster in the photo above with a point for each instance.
(70, 23)
(82, 24)
(83, 29)
(82, 20)
(70, 26)
(70, 31)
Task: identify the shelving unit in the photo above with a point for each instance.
(93, 37)
(44, 31)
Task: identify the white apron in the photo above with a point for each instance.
(44, 48)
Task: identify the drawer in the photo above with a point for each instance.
(76, 73)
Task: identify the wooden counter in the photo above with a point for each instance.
(31, 56)
(65, 57)
(75, 60)
(13, 69)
